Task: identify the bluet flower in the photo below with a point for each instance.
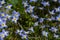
(3, 24)
(36, 24)
(55, 0)
(2, 14)
(58, 17)
(23, 34)
(2, 2)
(33, 0)
(34, 16)
(31, 29)
(25, 3)
(29, 9)
(57, 9)
(14, 19)
(16, 14)
(9, 6)
(53, 29)
(44, 3)
(41, 20)
(56, 36)
(52, 12)
(3, 34)
(44, 33)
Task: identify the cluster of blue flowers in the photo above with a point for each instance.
(52, 15)
(3, 34)
(41, 22)
(5, 16)
(24, 34)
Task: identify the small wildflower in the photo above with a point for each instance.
(44, 3)
(25, 4)
(29, 9)
(18, 31)
(24, 37)
(56, 36)
(57, 9)
(34, 16)
(2, 14)
(53, 29)
(44, 33)
(31, 29)
(8, 6)
(58, 17)
(4, 33)
(54, 0)
(23, 34)
(58, 1)
(52, 12)
(0, 5)
(49, 19)
(53, 18)
(33, 0)
(3, 24)
(8, 16)
(36, 24)
(14, 19)
(41, 20)
(16, 14)
(3, 2)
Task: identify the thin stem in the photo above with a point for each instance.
(20, 25)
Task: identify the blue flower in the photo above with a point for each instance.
(34, 16)
(3, 24)
(53, 18)
(36, 24)
(44, 33)
(0, 5)
(8, 16)
(30, 9)
(31, 29)
(16, 14)
(44, 3)
(52, 12)
(0, 20)
(9, 6)
(55, 0)
(18, 31)
(3, 34)
(41, 20)
(2, 14)
(33, 0)
(24, 37)
(56, 36)
(54, 29)
(58, 17)
(3, 2)
(1, 38)
(58, 1)
(25, 3)
(22, 33)
(14, 19)
(57, 9)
